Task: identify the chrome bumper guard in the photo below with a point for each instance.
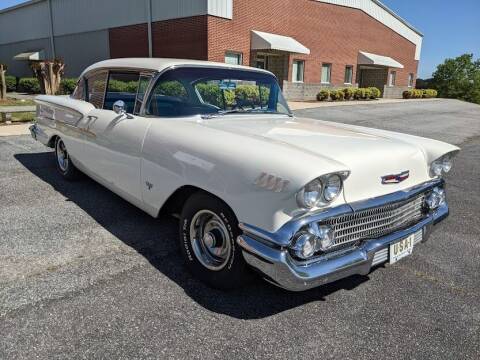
(278, 267)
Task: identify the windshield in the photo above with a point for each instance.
(215, 91)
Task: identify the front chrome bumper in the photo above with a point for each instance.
(278, 267)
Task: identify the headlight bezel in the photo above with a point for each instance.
(442, 165)
(322, 199)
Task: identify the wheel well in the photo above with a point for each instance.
(52, 141)
(177, 200)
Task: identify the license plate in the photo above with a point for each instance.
(401, 249)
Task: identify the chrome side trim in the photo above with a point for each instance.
(283, 236)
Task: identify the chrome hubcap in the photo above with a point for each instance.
(62, 155)
(210, 240)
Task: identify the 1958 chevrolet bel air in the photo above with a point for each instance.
(301, 201)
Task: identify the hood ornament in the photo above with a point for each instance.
(395, 178)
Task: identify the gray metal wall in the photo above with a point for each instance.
(21, 68)
(81, 27)
(81, 50)
(25, 23)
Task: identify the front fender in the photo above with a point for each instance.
(179, 153)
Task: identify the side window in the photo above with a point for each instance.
(166, 97)
(96, 84)
(122, 86)
(79, 93)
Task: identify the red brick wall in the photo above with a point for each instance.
(184, 38)
(129, 41)
(334, 34)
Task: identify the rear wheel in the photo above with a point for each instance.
(64, 163)
(208, 232)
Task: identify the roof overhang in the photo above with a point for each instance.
(30, 56)
(365, 58)
(266, 41)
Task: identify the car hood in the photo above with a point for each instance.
(366, 155)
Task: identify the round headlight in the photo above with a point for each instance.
(310, 195)
(333, 187)
(325, 238)
(436, 169)
(447, 164)
(305, 245)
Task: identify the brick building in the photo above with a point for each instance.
(307, 44)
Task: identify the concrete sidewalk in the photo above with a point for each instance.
(298, 105)
(14, 129)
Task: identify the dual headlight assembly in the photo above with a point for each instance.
(317, 193)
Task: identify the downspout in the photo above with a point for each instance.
(149, 14)
(52, 35)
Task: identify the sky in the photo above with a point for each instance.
(451, 28)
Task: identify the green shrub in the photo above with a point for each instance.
(359, 94)
(323, 95)
(11, 83)
(429, 93)
(337, 95)
(418, 94)
(348, 93)
(123, 86)
(29, 85)
(407, 94)
(376, 93)
(67, 86)
(368, 94)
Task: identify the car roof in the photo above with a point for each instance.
(160, 64)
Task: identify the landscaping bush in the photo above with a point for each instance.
(429, 93)
(348, 93)
(29, 85)
(376, 93)
(368, 94)
(407, 94)
(323, 95)
(67, 86)
(11, 83)
(337, 95)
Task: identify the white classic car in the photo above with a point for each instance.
(301, 201)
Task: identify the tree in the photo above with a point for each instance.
(49, 74)
(3, 82)
(458, 78)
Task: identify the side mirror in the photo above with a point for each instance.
(119, 107)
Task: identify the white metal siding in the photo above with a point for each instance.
(221, 8)
(377, 12)
(25, 23)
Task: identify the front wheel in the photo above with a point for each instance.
(208, 232)
(64, 163)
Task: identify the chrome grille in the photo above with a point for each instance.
(376, 222)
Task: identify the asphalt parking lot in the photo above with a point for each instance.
(84, 274)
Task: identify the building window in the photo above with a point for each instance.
(410, 79)
(348, 74)
(233, 58)
(298, 70)
(393, 78)
(326, 73)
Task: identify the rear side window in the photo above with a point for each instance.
(122, 86)
(96, 84)
(79, 92)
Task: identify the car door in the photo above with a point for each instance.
(113, 140)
